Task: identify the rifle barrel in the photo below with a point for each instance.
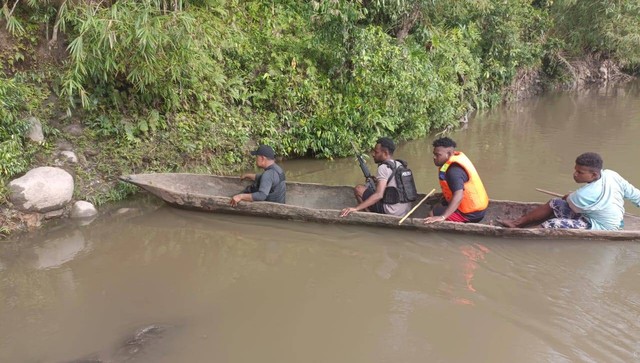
(363, 166)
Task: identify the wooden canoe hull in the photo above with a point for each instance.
(322, 203)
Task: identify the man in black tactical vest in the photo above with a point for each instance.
(268, 186)
(395, 188)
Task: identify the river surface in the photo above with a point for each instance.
(148, 283)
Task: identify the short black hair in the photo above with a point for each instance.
(590, 160)
(387, 143)
(444, 142)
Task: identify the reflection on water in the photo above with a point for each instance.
(54, 252)
(474, 254)
(157, 284)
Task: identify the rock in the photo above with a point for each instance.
(132, 349)
(134, 346)
(81, 222)
(125, 211)
(54, 214)
(41, 190)
(31, 220)
(34, 133)
(604, 72)
(91, 152)
(69, 156)
(73, 130)
(64, 145)
(82, 209)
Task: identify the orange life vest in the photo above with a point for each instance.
(475, 197)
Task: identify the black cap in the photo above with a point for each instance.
(264, 150)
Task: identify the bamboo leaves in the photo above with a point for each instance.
(148, 45)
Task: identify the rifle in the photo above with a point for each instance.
(369, 179)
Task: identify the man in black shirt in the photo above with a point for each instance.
(269, 186)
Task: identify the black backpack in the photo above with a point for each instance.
(405, 190)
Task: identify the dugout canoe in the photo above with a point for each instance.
(322, 203)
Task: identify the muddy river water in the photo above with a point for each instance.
(148, 283)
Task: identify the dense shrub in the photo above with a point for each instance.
(13, 104)
(138, 51)
(611, 27)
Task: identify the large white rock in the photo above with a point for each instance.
(69, 156)
(82, 209)
(41, 190)
(34, 133)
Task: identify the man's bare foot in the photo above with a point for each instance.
(506, 223)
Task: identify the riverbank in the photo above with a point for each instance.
(96, 170)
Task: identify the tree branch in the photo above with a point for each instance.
(408, 22)
(13, 8)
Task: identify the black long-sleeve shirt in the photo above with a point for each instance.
(271, 185)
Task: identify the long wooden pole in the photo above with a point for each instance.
(417, 205)
(550, 193)
(560, 195)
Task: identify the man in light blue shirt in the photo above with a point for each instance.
(598, 205)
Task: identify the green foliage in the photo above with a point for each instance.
(12, 160)
(13, 104)
(126, 129)
(397, 89)
(311, 89)
(4, 231)
(611, 27)
(139, 52)
(12, 23)
(497, 37)
(513, 36)
(301, 76)
(119, 192)
(19, 16)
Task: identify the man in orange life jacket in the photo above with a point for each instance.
(465, 199)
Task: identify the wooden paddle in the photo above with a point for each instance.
(560, 195)
(550, 193)
(417, 205)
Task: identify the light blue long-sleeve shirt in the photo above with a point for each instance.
(601, 202)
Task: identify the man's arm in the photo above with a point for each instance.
(630, 192)
(456, 177)
(266, 182)
(240, 197)
(248, 176)
(373, 199)
(456, 199)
